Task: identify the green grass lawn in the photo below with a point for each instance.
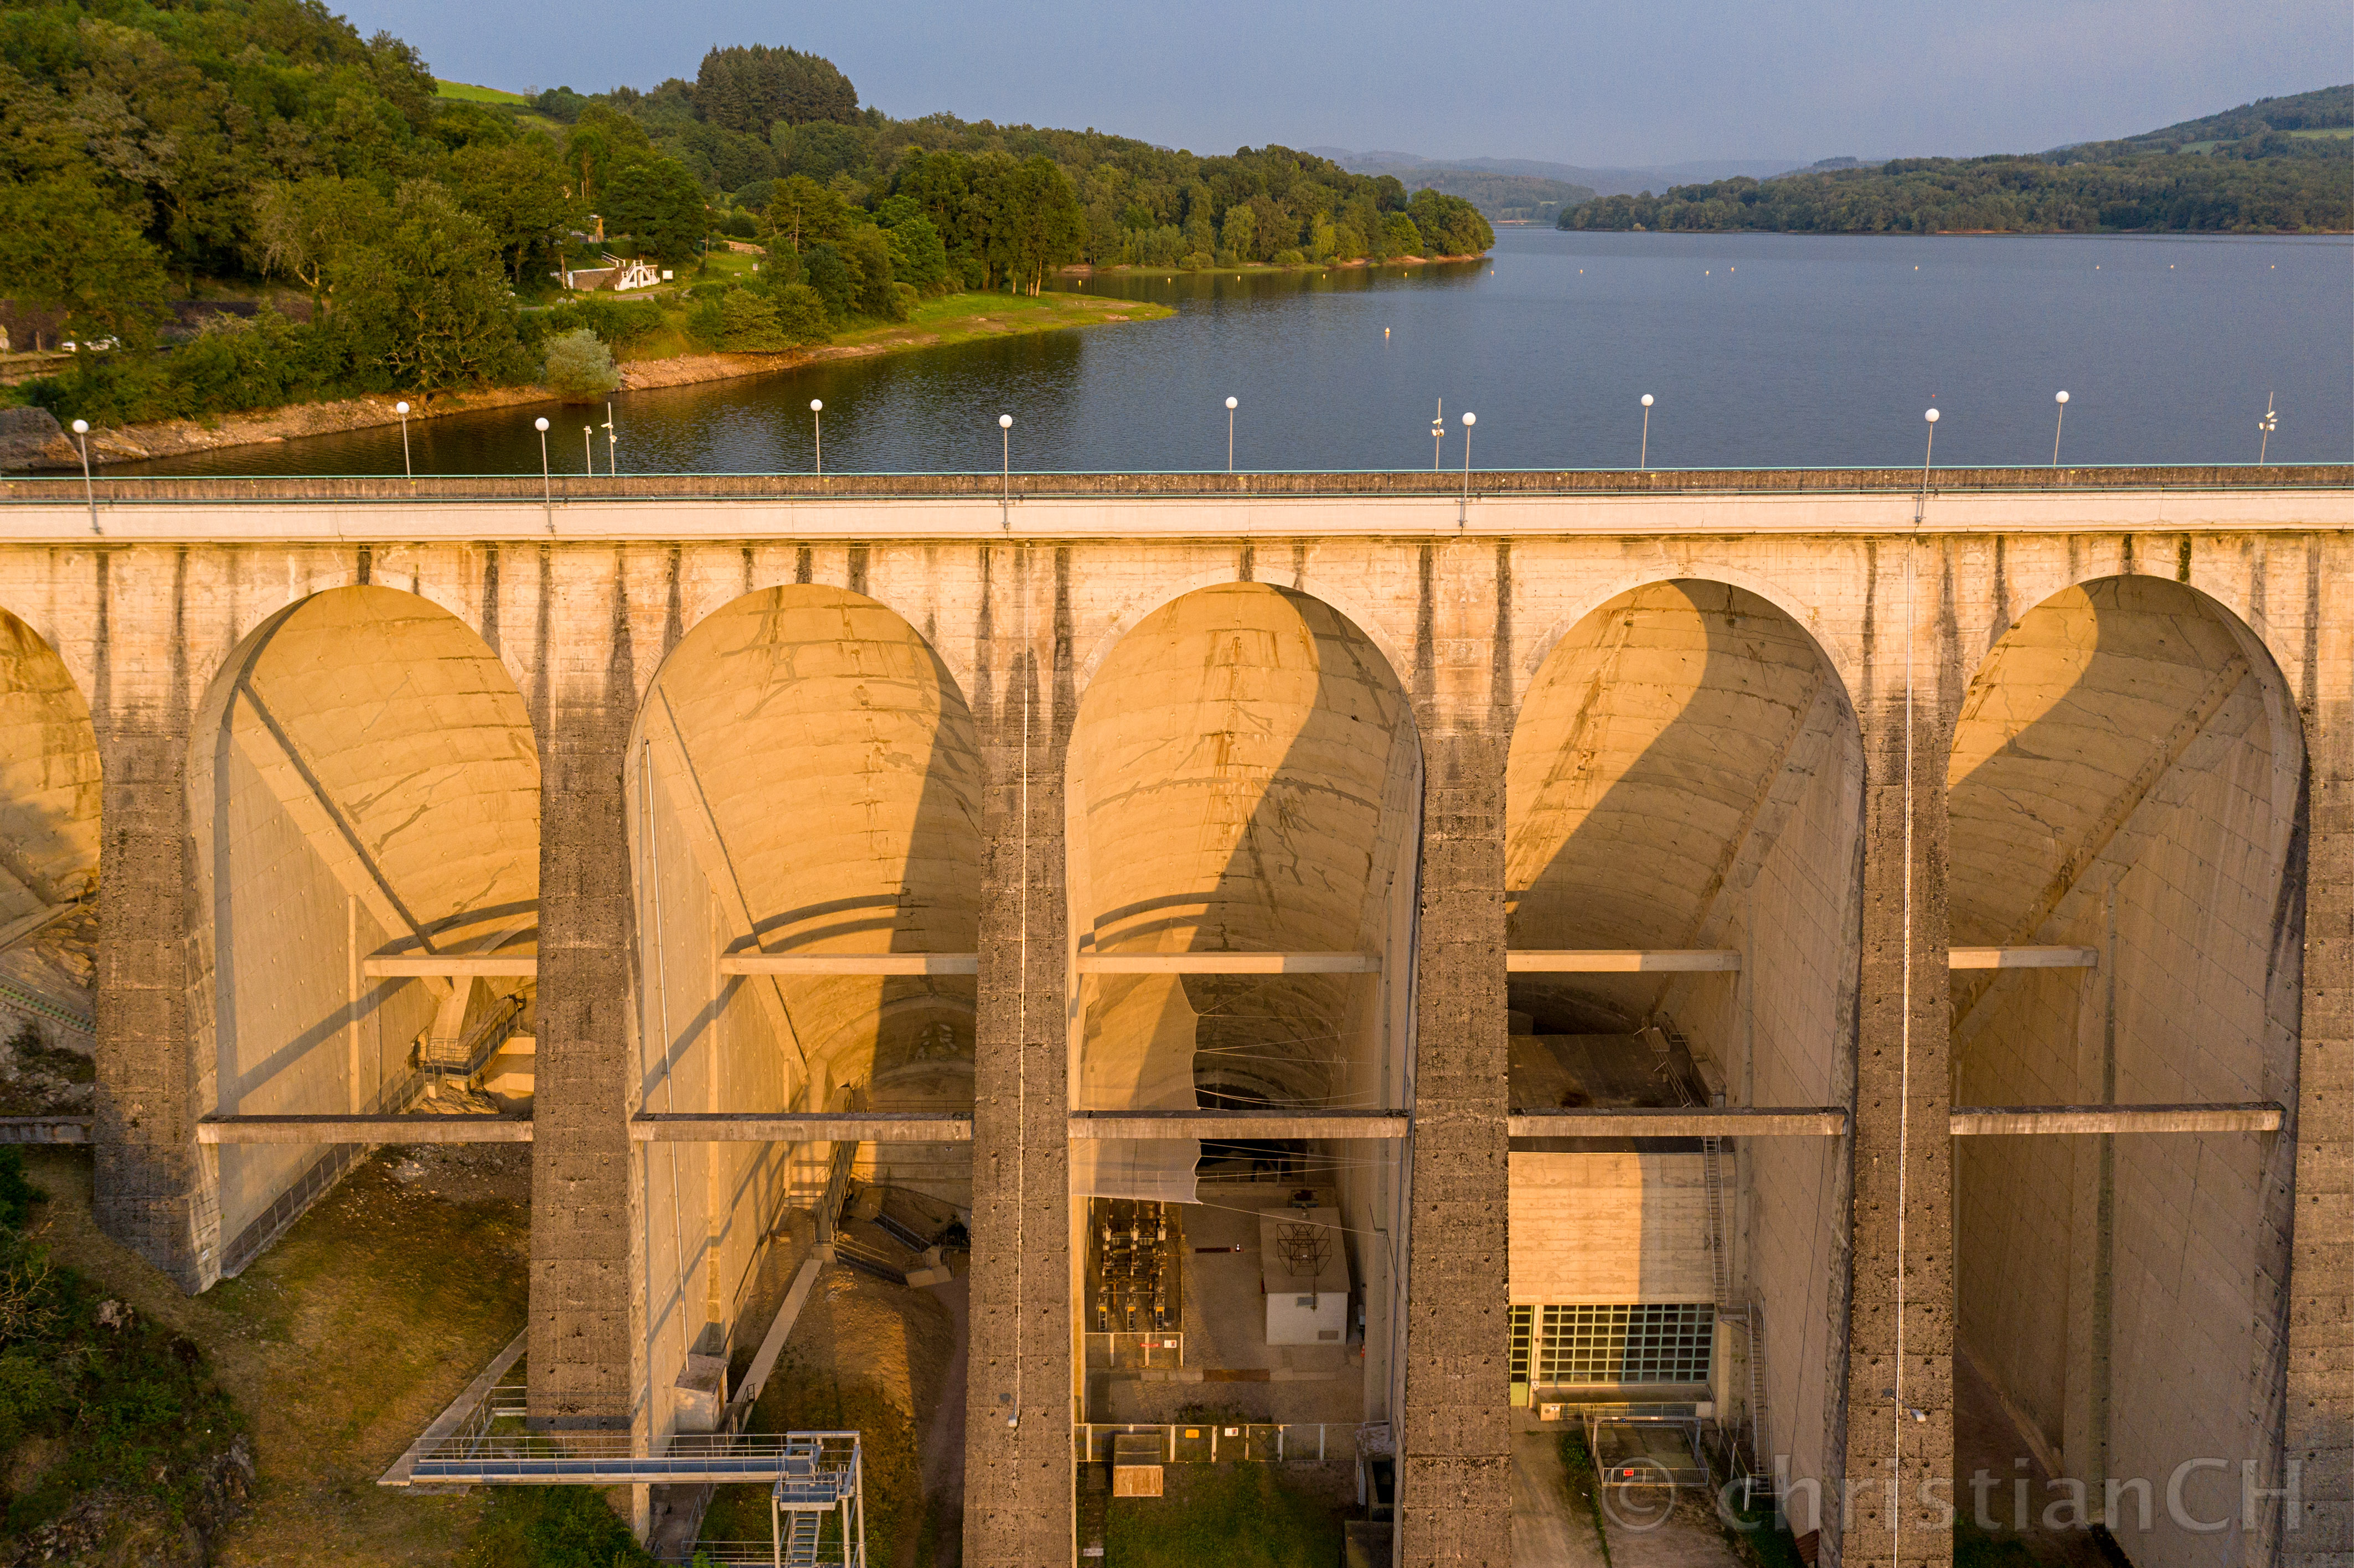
(473, 94)
(1239, 1516)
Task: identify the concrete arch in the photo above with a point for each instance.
(804, 778)
(1842, 660)
(1245, 776)
(50, 807)
(361, 778)
(1686, 772)
(1108, 631)
(2127, 776)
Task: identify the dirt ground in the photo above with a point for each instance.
(886, 1360)
(341, 1341)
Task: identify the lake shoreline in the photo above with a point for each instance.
(989, 316)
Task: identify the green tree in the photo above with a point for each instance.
(918, 258)
(800, 315)
(577, 365)
(659, 205)
(751, 89)
(602, 139)
(1399, 236)
(429, 301)
(747, 324)
(1450, 225)
(518, 191)
(1239, 235)
(1037, 224)
(828, 274)
(64, 246)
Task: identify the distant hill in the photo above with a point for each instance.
(2276, 165)
(1608, 181)
(2324, 108)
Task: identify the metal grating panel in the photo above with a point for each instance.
(1668, 1342)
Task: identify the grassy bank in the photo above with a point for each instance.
(340, 1343)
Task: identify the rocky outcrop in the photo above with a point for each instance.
(30, 438)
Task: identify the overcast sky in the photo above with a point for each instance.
(1643, 84)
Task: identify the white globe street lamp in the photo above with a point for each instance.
(2061, 420)
(401, 409)
(1230, 435)
(88, 494)
(1643, 458)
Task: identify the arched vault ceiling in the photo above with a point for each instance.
(2080, 709)
(1231, 764)
(418, 737)
(1643, 753)
(837, 760)
(48, 778)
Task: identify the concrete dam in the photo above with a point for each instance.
(1821, 962)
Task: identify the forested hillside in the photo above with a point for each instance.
(2277, 165)
(385, 235)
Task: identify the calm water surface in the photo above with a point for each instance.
(1762, 350)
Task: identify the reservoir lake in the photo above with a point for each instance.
(1761, 350)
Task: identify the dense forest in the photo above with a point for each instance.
(400, 236)
(2280, 165)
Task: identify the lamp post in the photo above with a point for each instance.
(1921, 505)
(611, 440)
(1463, 511)
(81, 435)
(2063, 401)
(1643, 458)
(1230, 435)
(1437, 433)
(406, 468)
(546, 485)
(817, 432)
(588, 453)
(2268, 424)
(1005, 469)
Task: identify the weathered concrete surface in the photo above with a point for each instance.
(2319, 1435)
(586, 1287)
(1019, 1502)
(144, 627)
(1898, 1401)
(1454, 1422)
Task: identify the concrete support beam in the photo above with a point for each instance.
(1900, 1276)
(46, 1128)
(1239, 1125)
(1453, 1426)
(2005, 1121)
(1228, 964)
(584, 1176)
(417, 1128)
(721, 1126)
(1700, 960)
(2319, 1434)
(1020, 1507)
(152, 1192)
(2022, 958)
(1723, 1121)
(782, 964)
(412, 966)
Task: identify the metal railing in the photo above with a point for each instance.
(1212, 1442)
(1129, 1348)
(489, 1448)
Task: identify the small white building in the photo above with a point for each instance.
(1304, 1274)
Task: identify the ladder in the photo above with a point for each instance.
(1754, 1316)
(802, 1528)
